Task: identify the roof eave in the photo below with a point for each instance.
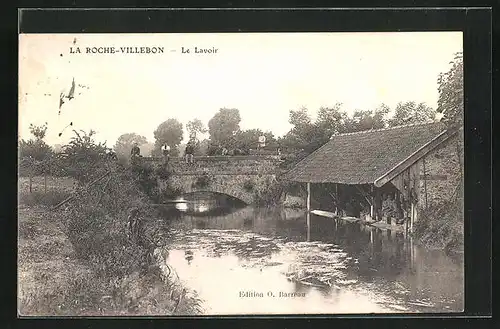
(414, 157)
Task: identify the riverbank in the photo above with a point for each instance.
(435, 231)
(54, 278)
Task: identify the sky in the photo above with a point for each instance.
(264, 75)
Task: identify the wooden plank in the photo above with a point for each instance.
(324, 213)
(365, 195)
(372, 208)
(425, 181)
(410, 160)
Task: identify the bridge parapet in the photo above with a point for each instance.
(222, 165)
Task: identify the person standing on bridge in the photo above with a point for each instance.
(261, 144)
(189, 152)
(134, 154)
(166, 152)
(136, 151)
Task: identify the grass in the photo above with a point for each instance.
(49, 199)
(54, 279)
(53, 183)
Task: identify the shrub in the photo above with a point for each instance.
(441, 225)
(145, 175)
(269, 193)
(83, 158)
(163, 171)
(248, 185)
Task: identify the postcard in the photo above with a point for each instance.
(240, 174)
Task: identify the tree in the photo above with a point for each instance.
(195, 127)
(201, 148)
(147, 149)
(367, 119)
(84, 158)
(125, 142)
(451, 92)
(303, 131)
(35, 147)
(222, 127)
(331, 120)
(451, 101)
(35, 154)
(248, 139)
(411, 112)
(170, 133)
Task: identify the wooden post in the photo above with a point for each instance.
(337, 198)
(372, 206)
(308, 197)
(308, 226)
(31, 182)
(412, 214)
(45, 182)
(425, 183)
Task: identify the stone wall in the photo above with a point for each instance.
(242, 187)
(239, 177)
(442, 173)
(223, 165)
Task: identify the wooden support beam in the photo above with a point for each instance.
(337, 197)
(410, 160)
(308, 197)
(372, 205)
(365, 195)
(425, 182)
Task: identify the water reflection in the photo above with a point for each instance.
(332, 267)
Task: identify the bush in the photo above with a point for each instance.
(163, 171)
(83, 158)
(270, 192)
(121, 280)
(248, 185)
(49, 199)
(145, 175)
(441, 226)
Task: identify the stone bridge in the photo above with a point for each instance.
(240, 177)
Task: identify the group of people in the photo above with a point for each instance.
(188, 153)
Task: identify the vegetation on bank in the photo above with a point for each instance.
(78, 258)
(442, 225)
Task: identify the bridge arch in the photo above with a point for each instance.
(239, 177)
(218, 195)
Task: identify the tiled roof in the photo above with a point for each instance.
(362, 157)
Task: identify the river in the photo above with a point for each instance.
(250, 260)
